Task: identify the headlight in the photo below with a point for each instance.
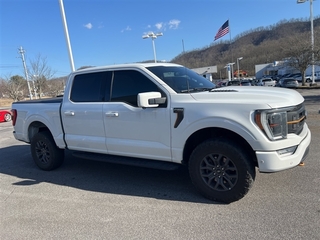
(272, 123)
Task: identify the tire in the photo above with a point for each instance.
(45, 153)
(221, 171)
(7, 117)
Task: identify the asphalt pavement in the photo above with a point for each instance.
(94, 200)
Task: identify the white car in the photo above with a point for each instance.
(266, 82)
(316, 77)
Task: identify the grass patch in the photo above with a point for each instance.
(5, 102)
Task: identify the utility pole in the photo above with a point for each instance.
(21, 51)
(182, 46)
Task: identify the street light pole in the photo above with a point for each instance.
(228, 69)
(66, 32)
(34, 77)
(312, 39)
(238, 60)
(312, 35)
(154, 50)
(231, 74)
(153, 36)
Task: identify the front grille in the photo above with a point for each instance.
(296, 119)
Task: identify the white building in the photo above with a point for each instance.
(206, 71)
(278, 68)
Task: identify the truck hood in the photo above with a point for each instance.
(272, 96)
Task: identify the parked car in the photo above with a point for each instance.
(266, 82)
(296, 76)
(316, 77)
(222, 84)
(245, 83)
(5, 116)
(234, 83)
(253, 82)
(288, 83)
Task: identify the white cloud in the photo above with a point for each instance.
(174, 23)
(164, 26)
(159, 25)
(128, 28)
(88, 25)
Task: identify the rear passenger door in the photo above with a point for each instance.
(131, 130)
(82, 116)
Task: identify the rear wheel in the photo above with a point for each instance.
(221, 170)
(45, 153)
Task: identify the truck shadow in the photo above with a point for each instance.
(101, 177)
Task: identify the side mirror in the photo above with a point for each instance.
(150, 99)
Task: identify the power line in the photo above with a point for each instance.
(8, 66)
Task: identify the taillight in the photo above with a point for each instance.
(14, 116)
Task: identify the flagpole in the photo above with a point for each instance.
(231, 46)
(223, 30)
(229, 31)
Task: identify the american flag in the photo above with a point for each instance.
(223, 30)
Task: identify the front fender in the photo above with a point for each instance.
(186, 129)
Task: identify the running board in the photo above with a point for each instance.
(138, 162)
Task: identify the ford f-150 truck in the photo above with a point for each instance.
(162, 115)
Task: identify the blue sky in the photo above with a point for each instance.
(104, 32)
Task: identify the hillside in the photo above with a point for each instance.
(258, 46)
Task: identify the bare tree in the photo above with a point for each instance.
(299, 52)
(15, 87)
(56, 86)
(40, 72)
(2, 87)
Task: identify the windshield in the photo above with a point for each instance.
(181, 79)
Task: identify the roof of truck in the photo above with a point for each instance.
(126, 65)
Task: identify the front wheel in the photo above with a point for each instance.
(221, 170)
(45, 153)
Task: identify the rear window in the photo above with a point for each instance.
(90, 87)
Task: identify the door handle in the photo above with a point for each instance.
(69, 113)
(112, 114)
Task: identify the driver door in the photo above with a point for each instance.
(131, 130)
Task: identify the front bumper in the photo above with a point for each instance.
(273, 162)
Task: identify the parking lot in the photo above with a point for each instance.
(94, 200)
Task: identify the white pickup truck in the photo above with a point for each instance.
(162, 115)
